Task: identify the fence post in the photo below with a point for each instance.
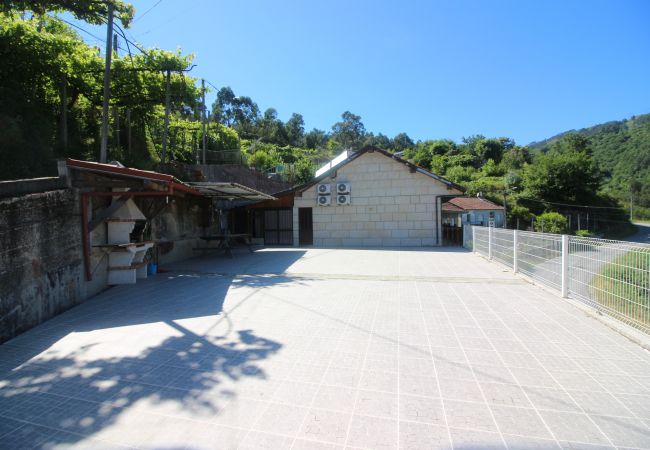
(515, 242)
(473, 239)
(565, 265)
(490, 238)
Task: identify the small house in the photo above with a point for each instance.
(473, 211)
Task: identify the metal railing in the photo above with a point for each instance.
(611, 276)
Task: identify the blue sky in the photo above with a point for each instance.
(433, 69)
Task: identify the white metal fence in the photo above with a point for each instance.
(611, 276)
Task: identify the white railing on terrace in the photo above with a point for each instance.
(611, 276)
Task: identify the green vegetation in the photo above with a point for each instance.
(623, 286)
(551, 222)
(621, 150)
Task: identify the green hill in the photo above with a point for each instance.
(622, 151)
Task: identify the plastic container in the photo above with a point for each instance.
(152, 268)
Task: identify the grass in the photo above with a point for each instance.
(623, 286)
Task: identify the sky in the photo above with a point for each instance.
(434, 69)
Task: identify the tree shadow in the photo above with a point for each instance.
(162, 348)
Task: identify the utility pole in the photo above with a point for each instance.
(64, 112)
(203, 116)
(166, 132)
(128, 127)
(107, 89)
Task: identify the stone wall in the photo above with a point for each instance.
(390, 206)
(41, 252)
(41, 259)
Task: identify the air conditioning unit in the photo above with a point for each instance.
(342, 188)
(324, 200)
(343, 199)
(324, 189)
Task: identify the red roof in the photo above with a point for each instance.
(129, 172)
(469, 204)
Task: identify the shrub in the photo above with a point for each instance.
(551, 222)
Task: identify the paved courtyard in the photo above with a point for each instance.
(325, 349)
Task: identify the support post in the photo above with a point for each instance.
(490, 239)
(472, 227)
(107, 82)
(166, 132)
(515, 245)
(203, 116)
(565, 265)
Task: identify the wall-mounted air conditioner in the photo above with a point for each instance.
(324, 189)
(342, 188)
(324, 200)
(343, 199)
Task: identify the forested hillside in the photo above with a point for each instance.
(622, 151)
(51, 96)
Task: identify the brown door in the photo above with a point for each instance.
(305, 227)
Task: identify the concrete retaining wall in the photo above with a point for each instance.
(41, 253)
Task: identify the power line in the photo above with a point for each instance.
(567, 204)
(147, 11)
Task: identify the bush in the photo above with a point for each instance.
(551, 222)
(584, 233)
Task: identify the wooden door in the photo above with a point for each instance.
(305, 227)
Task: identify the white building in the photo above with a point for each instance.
(371, 198)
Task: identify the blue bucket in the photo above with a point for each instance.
(152, 268)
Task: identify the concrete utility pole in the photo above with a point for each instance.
(64, 112)
(107, 89)
(166, 132)
(203, 116)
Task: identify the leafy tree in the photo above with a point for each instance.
(564, 175)
(295, 129)
(223, 106)
(380, 141)
(316, 139)
(401, 142)
(486, 149)
(91, 11)
(349, 133)
(551, 222)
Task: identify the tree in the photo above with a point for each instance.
(350, 131)
(380, 141)
(563, 175)
(295, 129)
(90, 11)
(223, 106)
(401, 142)
(316, 139)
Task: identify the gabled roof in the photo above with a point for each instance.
(370, 149)
(469, 204)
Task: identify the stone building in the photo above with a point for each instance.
(369, 198)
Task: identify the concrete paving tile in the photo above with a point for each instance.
(600, 403)
(381, 404)
(257, 440)
(421, 409)
(307, 373)
(379, 380)
(416, 436)
(281, 419)
(638, 404)
(549, 398)
(304, 444)
(339, 376)
(372, 432)
(241, 413)
(463, 439)
(466, 390)
(474, 416)
(520, 421)
(568, 445)
(295, 393)
(454, 371)
(505, 395)
(493, 374)
(213, 437)
(529, 443)
(337, 398)
(425, 386)
(533, 377)
(325, 426)
(576, 427)
(623, 431)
